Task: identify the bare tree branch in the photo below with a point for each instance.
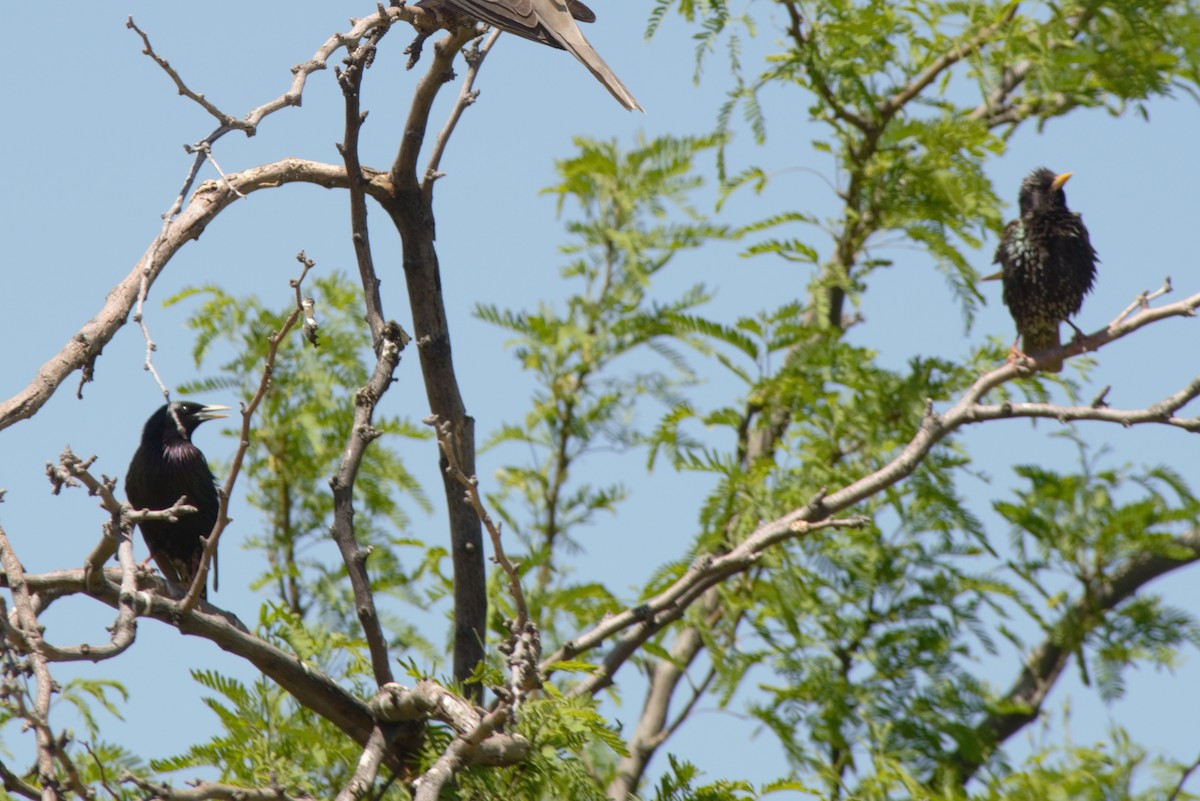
(362, 434)
(457, 756)
(357, 62)
(395, 703)
(182, 224)
(466, 96)
(210, 791)
(388, 340)
(445, 438)
(412, 213)
(367, 768)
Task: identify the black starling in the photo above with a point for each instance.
(166, 467)
(1048, 264)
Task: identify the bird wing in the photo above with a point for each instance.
(551, 23)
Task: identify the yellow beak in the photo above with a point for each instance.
(1059, 180)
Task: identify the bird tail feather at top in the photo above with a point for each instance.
(587, 54)
(551, 22)
(1035, 342)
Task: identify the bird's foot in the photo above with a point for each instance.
(1019, 358)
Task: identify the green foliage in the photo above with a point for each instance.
(914, 99)
(595, 359)
(268, 740)
(1112, 770)
(297, 442)
(573, 749)
(267, 736)
(861, 651)
(104, 764)
(1080, 527)
(679, 784)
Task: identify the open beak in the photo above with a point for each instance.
(1059, 180)
(212, 413)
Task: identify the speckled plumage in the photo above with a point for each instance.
(1048, 263)
(165, 467)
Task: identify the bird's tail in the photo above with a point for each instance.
(1041, 340)
(574, 43)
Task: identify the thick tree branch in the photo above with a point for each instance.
(651, 730)
(207, 202)
(457, 756)
(209, 791)
(367, 768)
(429, 700)
(15, 784)
(404, 167)
(305, 682)
(411, 211)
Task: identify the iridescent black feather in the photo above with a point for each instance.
(1048, 263)
(166, 467)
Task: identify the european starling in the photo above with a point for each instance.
(1048, 264)
(551, 22)
(166, 467)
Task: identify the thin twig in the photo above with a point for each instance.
(445, 439)
(31, 638)
(1142, 301)
(466, 97)
(199, 581)
(357, 63)
(15, 784)
(1183, 777)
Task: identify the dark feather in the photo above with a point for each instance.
(165, 468)
(1048, 263)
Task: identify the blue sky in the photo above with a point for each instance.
(92, 156)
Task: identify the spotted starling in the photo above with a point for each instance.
(1047, 262)
(551, 22)
(166, 467)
